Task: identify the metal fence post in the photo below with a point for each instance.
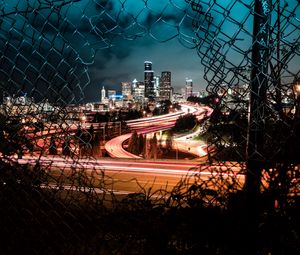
(256, 119)
(258, 92)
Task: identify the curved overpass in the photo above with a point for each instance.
(115, 148)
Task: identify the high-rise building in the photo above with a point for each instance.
(188, 88)
(139, 91)
(103, 94)
(156, 86)
(149, 80)
(148, 65)
(134, 85)
(126, 90)
(165, 86)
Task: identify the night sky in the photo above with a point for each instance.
(67, 50)
(93, 43)
(125, 62)
(164, 36)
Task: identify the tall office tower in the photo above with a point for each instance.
(149, 80)
(188, 88)
(139, 92)
(126, 90)
(134, 85)
(156, 86)
(103, 94)
(165, 86)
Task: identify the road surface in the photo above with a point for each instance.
(115, 148)
(126, 176)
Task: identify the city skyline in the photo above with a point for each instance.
(116, 65)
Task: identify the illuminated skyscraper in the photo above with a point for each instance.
(165, 86)
(156, 86)
(134, 82)
(126, 90)
(188, 88)
(139, 91)
(149, 80)
(103, 94)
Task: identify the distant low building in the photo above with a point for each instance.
(111, 94)
(178, 98)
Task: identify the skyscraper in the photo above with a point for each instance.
(134, 82)
(103, 94)
(126, 90)
(139, 91)
(165, 86)
(188, 88)
(149, 80)
(156, 86)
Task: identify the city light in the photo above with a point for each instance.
(296, 87)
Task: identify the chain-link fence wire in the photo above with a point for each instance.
(250, 62)
(46, 49)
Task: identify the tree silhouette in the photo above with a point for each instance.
(160, 149)
(146, 147)
(133, 145)
(12, 137)
(186, 122)
(96, 143)
(169, 141)
(52, 146)
(91, 130)
(66, 150)
(78, 134)
(86, 144)
(141, 143)
(153, 147)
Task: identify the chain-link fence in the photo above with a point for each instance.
(55, 197)
(251, 69)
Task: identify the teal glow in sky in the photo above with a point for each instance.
(62, 48)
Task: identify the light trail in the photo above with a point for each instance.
(115, 148)
(131, 175)
(141, 166)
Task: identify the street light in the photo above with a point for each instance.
(296, 88)
(83, 118)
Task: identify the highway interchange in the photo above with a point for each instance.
(125, 172)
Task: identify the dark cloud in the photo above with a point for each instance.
(109, 70)
(65, 39)
(104, 4)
